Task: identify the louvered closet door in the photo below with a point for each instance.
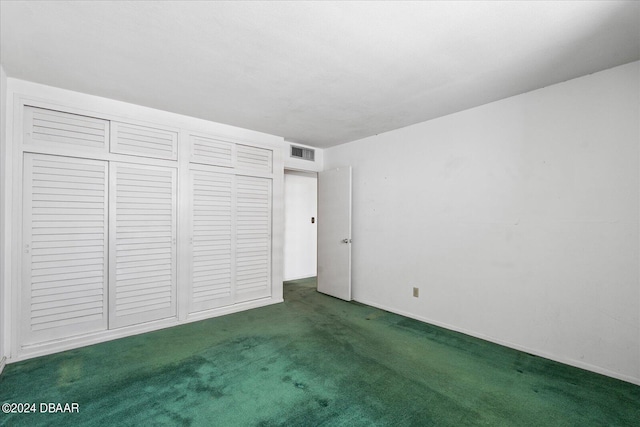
(65, 219)
(210, 151)
(211, 240)
(49, 128)
(142, 280)
(143, 141)
(253, 238)
(254, 158)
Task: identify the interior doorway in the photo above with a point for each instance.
(300, 224)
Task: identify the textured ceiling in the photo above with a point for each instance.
(318, 73)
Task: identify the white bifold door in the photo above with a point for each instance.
(65, 238)
(211, 239)
(230, 239)
(142, 279)
(253, 238)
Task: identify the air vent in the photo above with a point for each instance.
(302, 153)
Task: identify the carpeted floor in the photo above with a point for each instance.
(313, 360)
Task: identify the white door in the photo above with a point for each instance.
(211, 240)
(253, 238)
(65, 247)
(334, 232)
(142, 276)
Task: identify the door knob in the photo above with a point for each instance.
(346, 240)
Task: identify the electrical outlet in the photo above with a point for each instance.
(416, 292)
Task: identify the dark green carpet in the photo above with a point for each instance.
(313, 360)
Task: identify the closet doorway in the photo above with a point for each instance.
(300, 224)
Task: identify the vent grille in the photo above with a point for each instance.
(303, 153)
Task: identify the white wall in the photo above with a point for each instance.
(300, 235)
(3, 231)
(518, 221)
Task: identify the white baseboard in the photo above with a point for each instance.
(300, 278)
(555, 358)
(56, 346)
(236, 308)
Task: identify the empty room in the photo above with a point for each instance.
(305, 213)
